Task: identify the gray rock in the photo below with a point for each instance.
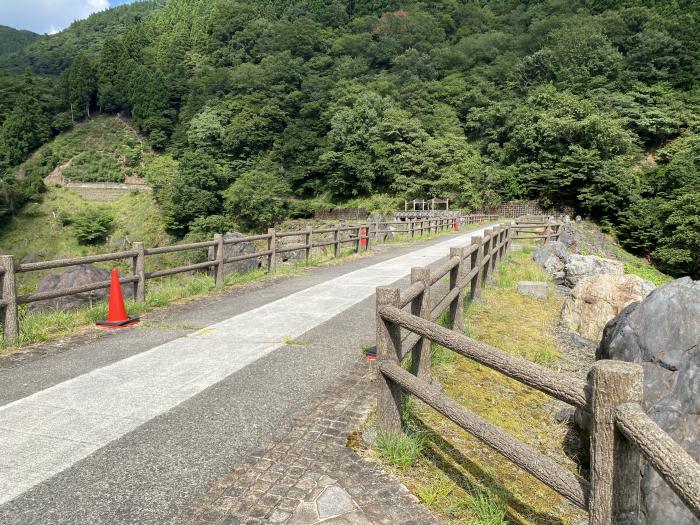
(553, 256)
(73, 277)
(334, 501)
(578, 267)
(288, 242)
(234, 250)
(662, 333)
(536, 289)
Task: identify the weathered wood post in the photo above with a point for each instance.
(357, 231)
(367, 235)
(308, 245)
(494, 249)
(456, 277)
(546, 233)
(8, 311)
(615, 473)
(336, 240)
(476, 262)
(218, 269)
(272, 249)
(420, 306)
(388, 349)
(138, 266)
(488, 241)
(411, 229)
(377, 238)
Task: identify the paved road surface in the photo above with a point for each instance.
(132, 426)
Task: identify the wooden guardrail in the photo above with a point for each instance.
(341, 234)
(612, 396)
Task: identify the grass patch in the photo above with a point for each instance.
(459, 478)
(400, 449)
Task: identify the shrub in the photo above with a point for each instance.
(257, 199)
(204, 228)
(92, 226)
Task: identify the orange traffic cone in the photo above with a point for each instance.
(116, 312)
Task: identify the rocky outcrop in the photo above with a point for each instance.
(597, 299)
(579, 267)
(234, 250)
(663, 334)
(73, 277)
(552, 256)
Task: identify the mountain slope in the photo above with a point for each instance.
(13, 40)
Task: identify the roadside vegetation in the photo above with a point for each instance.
(461, 480)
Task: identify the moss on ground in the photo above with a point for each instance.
(461, 480)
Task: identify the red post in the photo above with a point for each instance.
(363, 237)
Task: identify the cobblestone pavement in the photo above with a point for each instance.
(310, 475)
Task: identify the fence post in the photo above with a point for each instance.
(376, 231)
(367, 236)
(218, 269)
(420, 306)
(476, 261)
(411, 228)
(488, 242)
(307, 250)
(8, 313)
(272, 248)
(357, 231)
(456, 277)
(615, 474)
(336, 240)
(546, 233)
(138, 267)
(388, 349)
(494, 250)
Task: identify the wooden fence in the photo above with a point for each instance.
(340, 234)
(620, 430)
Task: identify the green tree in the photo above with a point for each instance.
(258, 199)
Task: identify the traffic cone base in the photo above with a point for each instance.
(118, 324)
(116, 312)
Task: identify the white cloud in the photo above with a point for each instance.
(47, 16)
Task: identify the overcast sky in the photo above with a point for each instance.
(50, 16)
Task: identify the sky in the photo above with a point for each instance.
(50, 16)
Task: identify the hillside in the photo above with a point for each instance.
(261, 106)
(105, 148)
(13, 40)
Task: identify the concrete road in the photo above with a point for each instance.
(132, 426)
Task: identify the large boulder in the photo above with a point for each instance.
(578, 267)
(663, 334)
(288, 242)
(234, 250)
(597, 299)
(553, 256)
(74, 277)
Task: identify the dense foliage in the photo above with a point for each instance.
(589, 104)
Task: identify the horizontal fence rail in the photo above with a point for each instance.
(359, 236)
(620, 430)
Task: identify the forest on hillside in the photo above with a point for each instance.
(265, 108)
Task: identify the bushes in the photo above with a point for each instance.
(92, 226)
(257, 199)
